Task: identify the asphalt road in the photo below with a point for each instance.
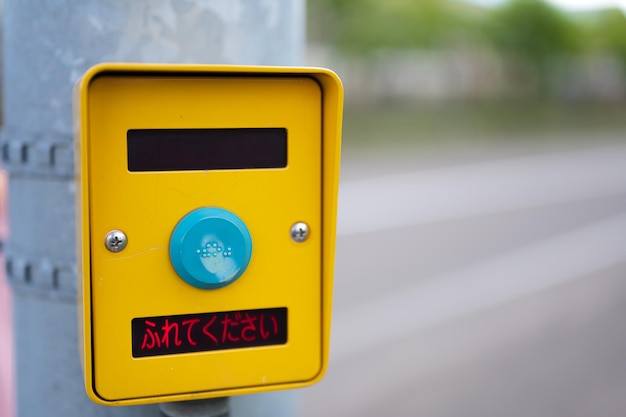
(476, 282)
(480, 284)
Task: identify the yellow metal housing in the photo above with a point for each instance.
(139, 281)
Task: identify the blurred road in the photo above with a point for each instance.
(480, 284)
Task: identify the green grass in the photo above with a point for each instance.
(433, 125)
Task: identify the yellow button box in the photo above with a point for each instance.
(206, 207)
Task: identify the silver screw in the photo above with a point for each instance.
(300, 232)
(115, 241)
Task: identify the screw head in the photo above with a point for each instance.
(115, 241)
(300, 232)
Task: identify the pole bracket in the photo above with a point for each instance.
(31, 155)
(45, 278)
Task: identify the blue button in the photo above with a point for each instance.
(210, 248)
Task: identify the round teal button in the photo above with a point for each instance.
(210, 248)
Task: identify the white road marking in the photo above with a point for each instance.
(460, 192)
(483, 285)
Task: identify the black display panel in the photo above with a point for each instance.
(167, 335)
(206, 149)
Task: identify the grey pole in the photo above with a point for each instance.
(47, 45)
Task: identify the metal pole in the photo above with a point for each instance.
(47, 45)
(213, 407)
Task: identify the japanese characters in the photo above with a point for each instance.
(208, 331)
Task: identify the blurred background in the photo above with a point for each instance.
(481, 253)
